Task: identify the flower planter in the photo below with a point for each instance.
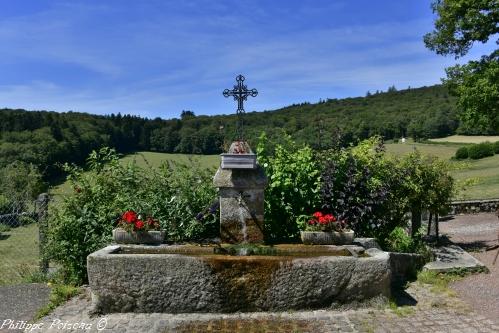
(122, 236)
(238, 161)
(327, 237)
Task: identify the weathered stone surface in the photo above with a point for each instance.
(405, 266)
(366, 243)
(474, 206)
(453, 257)
(240, 179)
(241, 194)
(177, 283)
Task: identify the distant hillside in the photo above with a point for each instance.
(45, 138)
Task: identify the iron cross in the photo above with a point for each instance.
(240, 94)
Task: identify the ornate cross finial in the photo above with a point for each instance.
(240, 94)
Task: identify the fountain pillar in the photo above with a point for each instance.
(241, 183)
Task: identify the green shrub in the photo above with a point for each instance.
(481, 150)
(83, 222)
(496, 147)
(21, 181)
(372, 191)
(361, 186)
(399, 241)
(293, 188)
(462, 153)
(5, 205)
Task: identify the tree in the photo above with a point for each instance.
(186, 114)
(459, 25)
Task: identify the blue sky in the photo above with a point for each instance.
(157, 58)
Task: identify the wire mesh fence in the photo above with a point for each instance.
(22, 238)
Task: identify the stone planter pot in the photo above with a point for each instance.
(327, 237)
(121, 236)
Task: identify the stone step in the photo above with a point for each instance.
(453, 257)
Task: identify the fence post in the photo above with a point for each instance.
(43, 206)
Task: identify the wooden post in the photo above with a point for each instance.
(43, 206)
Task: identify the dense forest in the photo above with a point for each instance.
(47, 138)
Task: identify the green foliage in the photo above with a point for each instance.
(480, 150)
(477, 86)
(20, 181)
(373, 191)
(4, 228)
(59, 294)
(83, 222)
(357, 188)
(462, 153)
(399, 240)
(461, 23)
(5, 205)
(293, 190)
(47, 139)
(426, 182)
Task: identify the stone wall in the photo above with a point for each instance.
(474, 206)
(405, 266)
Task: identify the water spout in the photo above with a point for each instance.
(242, 219)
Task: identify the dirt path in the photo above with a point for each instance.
(474, 233)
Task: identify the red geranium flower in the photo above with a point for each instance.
(139, 224)
(317, 215)
(330, 218)
(129, 216)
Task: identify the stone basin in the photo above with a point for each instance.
(185, 278)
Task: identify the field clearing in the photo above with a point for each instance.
(18, 253)
(150, 159)
(484, 174)
(467, 139)
(153, 160)
(441, 151)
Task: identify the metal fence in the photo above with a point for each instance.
(23, 225)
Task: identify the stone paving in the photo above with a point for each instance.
(430, 312)
(475, 233)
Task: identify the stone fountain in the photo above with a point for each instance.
(188, 278)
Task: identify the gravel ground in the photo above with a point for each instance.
(475, 233)
(21, 302)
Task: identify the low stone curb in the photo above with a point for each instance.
(452, 258)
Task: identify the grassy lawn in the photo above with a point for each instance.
(441, 150)
(467, 139)
(485, 176)
(18, 253)
(150, 159)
